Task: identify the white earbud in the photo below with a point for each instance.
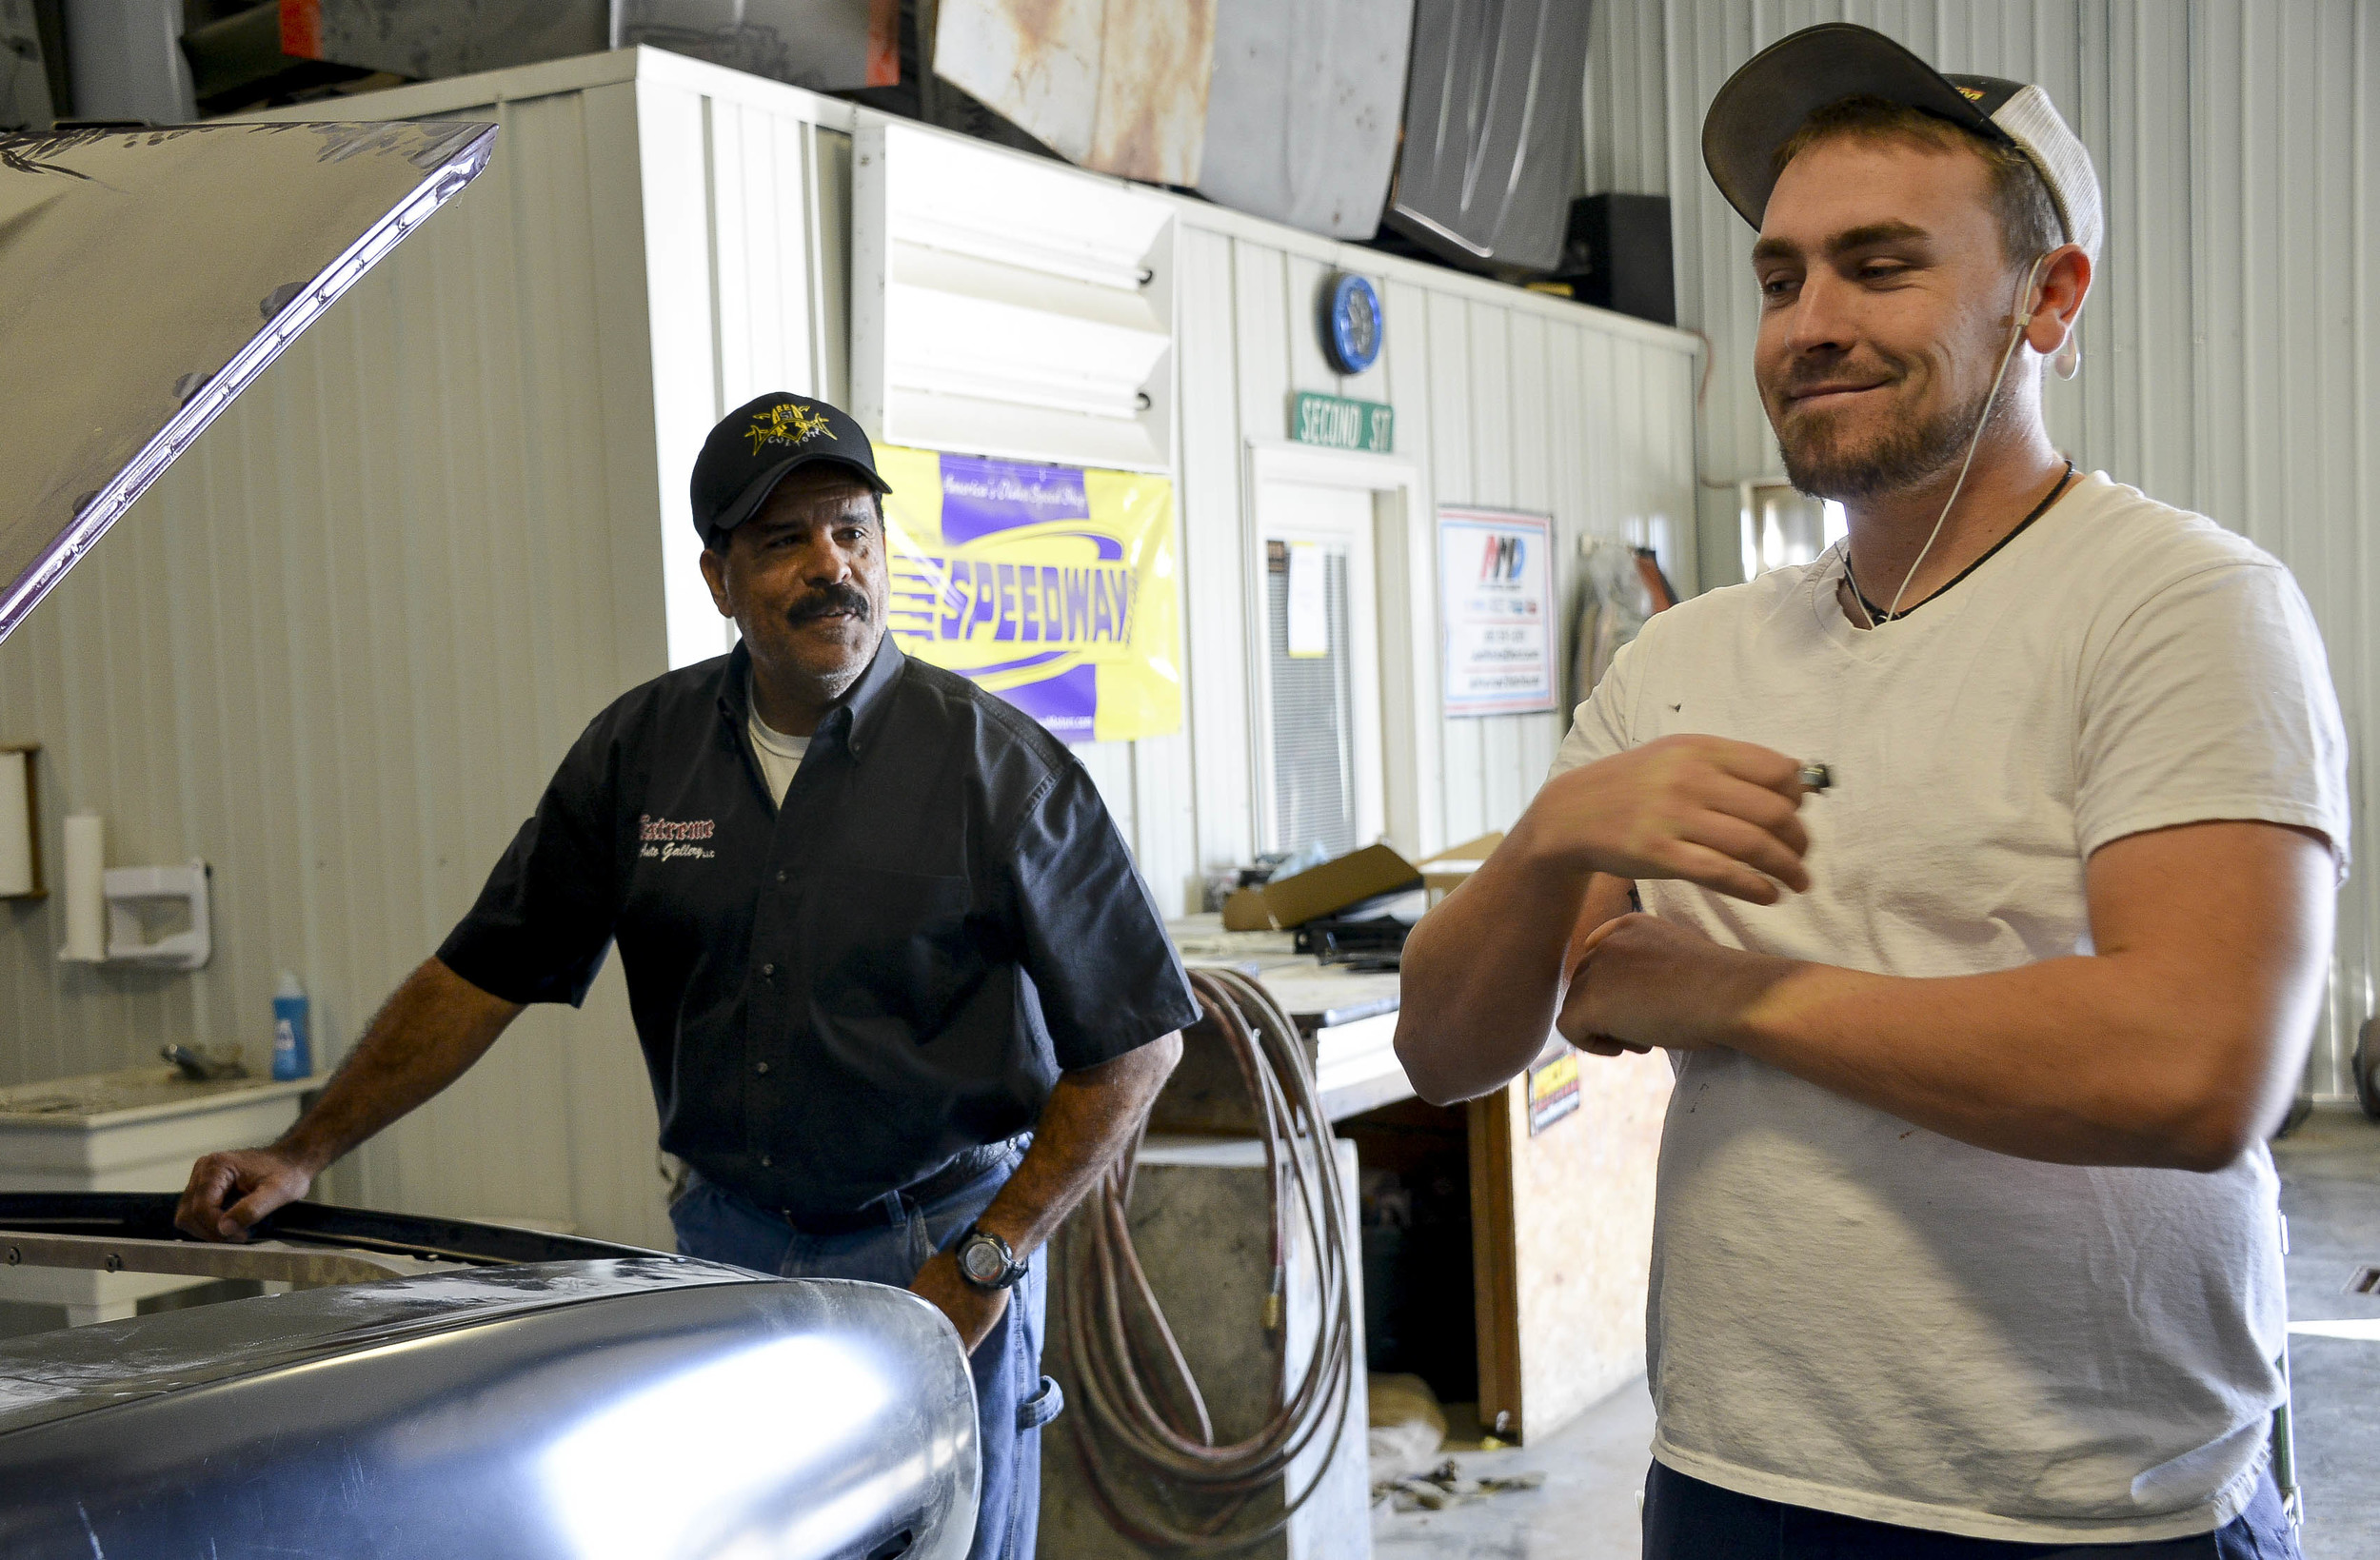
(2069, 359)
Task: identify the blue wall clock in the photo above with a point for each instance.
(1352, 324)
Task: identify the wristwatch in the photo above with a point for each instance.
(988, 1262)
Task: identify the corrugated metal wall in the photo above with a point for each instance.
(2231, 345)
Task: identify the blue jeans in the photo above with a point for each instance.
(1013, 1400)
(1687, 1519)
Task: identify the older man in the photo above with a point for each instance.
(901, 991)
(1965, 1242)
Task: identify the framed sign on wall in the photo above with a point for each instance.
(1495, 611)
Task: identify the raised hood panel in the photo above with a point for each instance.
(147, 276)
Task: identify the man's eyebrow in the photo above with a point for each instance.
(1873, 235)
(1849, 241)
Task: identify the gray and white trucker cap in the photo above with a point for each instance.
(1763, 104)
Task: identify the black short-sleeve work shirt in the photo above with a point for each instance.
(837, 996)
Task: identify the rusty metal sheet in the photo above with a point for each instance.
(1116, 86)
(827, 46)
(428, 39)
(147, 276)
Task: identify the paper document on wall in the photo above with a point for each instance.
(1309, 603)
(1496, 584)
(1055, 587)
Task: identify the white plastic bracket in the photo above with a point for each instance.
(128, 886)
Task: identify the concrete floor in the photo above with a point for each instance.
(2330, 1190)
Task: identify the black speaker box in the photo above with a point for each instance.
(1617, 256)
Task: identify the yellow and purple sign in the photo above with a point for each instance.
(1055, 587)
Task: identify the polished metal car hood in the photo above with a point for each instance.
(147, 276)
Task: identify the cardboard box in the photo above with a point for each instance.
(1318, 891)
(1444, 873)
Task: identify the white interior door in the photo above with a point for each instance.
(1319, 765)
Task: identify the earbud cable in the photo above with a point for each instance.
(1973, 444)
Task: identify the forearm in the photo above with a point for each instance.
(1091, 1115)
(1482, 972)
(2099, 1060)
(428, 1033)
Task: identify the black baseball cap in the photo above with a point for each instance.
(763, 442)
(1763, 104)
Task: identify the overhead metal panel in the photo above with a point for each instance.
(1304, 115)
(426, 39)
(1115, 85)
(829, 46)
(1492, 139)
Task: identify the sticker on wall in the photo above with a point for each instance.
(1055, 587)
(1495, 600)
(1553, 1090)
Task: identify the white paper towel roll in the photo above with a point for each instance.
(86, 886)
(16, 824)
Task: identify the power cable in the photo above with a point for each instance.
(1143, 1433)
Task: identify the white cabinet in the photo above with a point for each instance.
(133, 1131)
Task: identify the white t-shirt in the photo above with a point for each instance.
(1857, 1315)
(778, 755)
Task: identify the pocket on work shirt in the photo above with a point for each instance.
(892, 944)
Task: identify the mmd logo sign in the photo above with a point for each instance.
(1502, 561)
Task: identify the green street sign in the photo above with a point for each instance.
(1335, 423)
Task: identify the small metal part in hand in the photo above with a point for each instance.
(1816, 776)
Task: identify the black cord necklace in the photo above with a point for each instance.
(1879, 616)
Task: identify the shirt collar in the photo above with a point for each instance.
(855, 717)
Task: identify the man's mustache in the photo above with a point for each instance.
(1805, 376)
(827, 600)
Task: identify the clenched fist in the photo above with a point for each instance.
(1722, 814)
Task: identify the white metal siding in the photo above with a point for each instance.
(2231, 342)
(1502, 398)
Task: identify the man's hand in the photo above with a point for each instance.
(974, 1312)
(1641, 982)
(230, 1191)
(1718, 813)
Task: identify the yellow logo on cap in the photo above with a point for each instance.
(1973, 94)
(787, 423)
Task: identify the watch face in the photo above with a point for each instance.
(981, 1262)
(1355, 324)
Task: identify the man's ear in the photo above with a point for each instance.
(2064, 281)
(715, 573)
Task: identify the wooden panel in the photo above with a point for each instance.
(1562, 1235)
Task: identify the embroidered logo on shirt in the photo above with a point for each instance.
(786, 422)
(663, 839)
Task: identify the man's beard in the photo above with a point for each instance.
(1824, 464)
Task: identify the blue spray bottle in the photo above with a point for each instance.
(292, 1051)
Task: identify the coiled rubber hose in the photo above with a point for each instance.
(1143, 1432)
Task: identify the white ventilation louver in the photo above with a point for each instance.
(1002, 306)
